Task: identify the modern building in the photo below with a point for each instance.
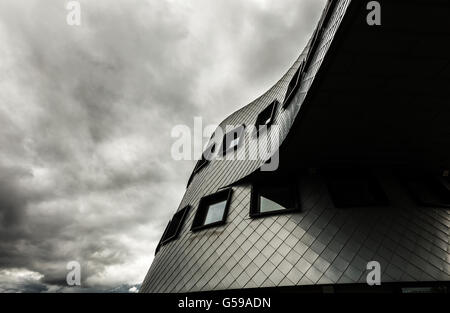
(362, 127)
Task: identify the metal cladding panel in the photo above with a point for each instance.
(320, 244)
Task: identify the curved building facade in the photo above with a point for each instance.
(358, 139)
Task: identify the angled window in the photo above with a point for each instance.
(173, 229)
(349, 189)
(266, 117)
(270, 199)
(206, 157)
(293, 85)
(158, 247)
(428, 190)
(212, 210)
(233, 139)
(203, 162)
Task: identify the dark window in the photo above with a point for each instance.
(269, 199)
(212, 210)
(233, 139)
(204, 161)
(206, 157)
(349, 189)
(266, 117)
(429, 190)
(160, 241)
(174, 227)
(293, 85)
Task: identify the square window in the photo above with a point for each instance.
(270, 199)
(293, 86)
(173, 229)
(233, 139)
(353, 189)
(212, 210)
(266, 117)
(428, 190)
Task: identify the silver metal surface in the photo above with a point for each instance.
(318, 245)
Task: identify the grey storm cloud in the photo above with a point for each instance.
(86, 114)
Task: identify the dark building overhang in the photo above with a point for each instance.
(381, 94)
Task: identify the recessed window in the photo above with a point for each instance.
(158, 247)
(175, 225)
(206, 157)
(212, 210)
(233, 139)
(348, 189)
(428, 190)
(269, 199)
(293, 85)
(266, 117)
(203, 162)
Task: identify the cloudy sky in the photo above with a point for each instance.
(86, 114)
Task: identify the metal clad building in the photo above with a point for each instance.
(364, 150)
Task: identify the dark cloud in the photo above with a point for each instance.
(86, 115)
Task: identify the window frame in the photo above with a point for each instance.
(203, 207)
(274, 104)
(158, 247)
(255, 199)
(203, 162)
(183, 214)
(293, 86)
(241, 134)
